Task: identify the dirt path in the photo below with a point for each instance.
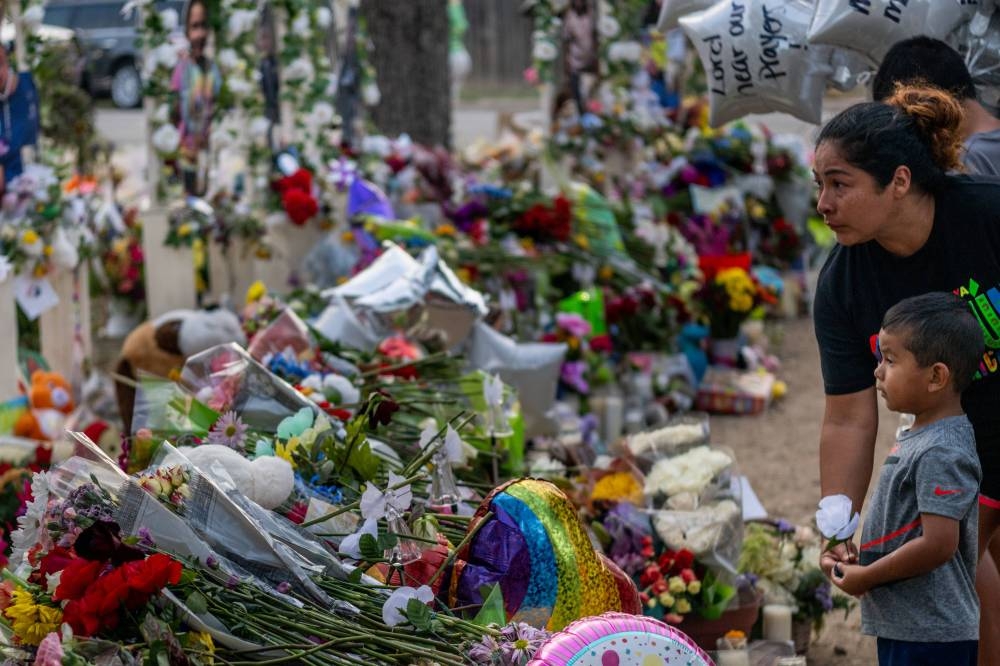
(779, 452)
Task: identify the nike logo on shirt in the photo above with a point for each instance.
(940, 492)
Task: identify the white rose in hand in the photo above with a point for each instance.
(835, 519)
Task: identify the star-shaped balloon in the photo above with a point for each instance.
(757, 60)
(871, 27)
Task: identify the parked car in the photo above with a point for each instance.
(108, 41)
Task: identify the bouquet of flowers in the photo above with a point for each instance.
(729, 298)
(675, 585)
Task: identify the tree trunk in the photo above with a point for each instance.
(410, 40)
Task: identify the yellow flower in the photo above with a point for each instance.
(617, 487)
(677, 585)
(32, 622)
(445, 230)
(203, 642)
(694, 587)
(48, 250)
(29, 237)
(735, 633)
(573, 343)
(347, 237)
(582, 241)
(184, 230)
(683, 606)
(40, 270)
(286, 450)
(666, 599)
(256, 292)
(464, 275)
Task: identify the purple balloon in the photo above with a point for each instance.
(365, 198)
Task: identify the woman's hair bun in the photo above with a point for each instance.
(938, 118)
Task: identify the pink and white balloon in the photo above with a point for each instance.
(618, 639)
(871, 27)
(757, 60)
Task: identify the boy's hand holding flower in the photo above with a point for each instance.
(851, 578)
(835, 519)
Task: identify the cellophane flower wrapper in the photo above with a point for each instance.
(167, 409)
(680, 434)
(230, 531)
(118, 498)
(226, 377)
(286, 332)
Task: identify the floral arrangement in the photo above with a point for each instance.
(123, 265)
(42, 227)
(729, 298)
(675, 585)
(784, 560)
(170, 485)
(515, 646)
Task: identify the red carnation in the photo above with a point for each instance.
(684, 559)
(76, 578)
(299, 205)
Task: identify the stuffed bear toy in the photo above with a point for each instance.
(162, 345)
(50, 401)
(267, 480)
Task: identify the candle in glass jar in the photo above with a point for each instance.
(732, 658)
(777, 622)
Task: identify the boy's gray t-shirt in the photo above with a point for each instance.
(934, 470)
(982, 153)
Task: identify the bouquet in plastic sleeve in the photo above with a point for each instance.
(226, 377)
(679, 435)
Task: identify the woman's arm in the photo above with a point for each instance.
(847, 445)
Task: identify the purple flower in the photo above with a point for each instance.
(284, 587)
(212, 562)
(228, 431)
(785, 527)
(573, 324)
(483, 651)
(519, 642)
(572, 375)
(232, 582)
(146, 538)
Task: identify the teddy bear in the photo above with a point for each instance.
(50, 401)
(161, 346)
(267, 480)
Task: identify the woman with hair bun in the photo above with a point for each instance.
(906, 224)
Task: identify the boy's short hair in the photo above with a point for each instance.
(939, 327)
(927, 60)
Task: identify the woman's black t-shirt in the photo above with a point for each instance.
(962, 255)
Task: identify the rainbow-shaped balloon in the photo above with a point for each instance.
(534, 545)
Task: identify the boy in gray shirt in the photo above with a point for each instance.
(916, 576)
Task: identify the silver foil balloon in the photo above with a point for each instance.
(399, 294)
(530, 367)
(871, 27)
(671, 12)
(983, 56)
(757, 60)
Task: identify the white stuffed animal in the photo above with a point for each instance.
(268, 480)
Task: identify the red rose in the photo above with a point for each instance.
(687, 575)
(300, 180)
(299, 205)
(685, 559)
(650, 575)
(601, 343)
